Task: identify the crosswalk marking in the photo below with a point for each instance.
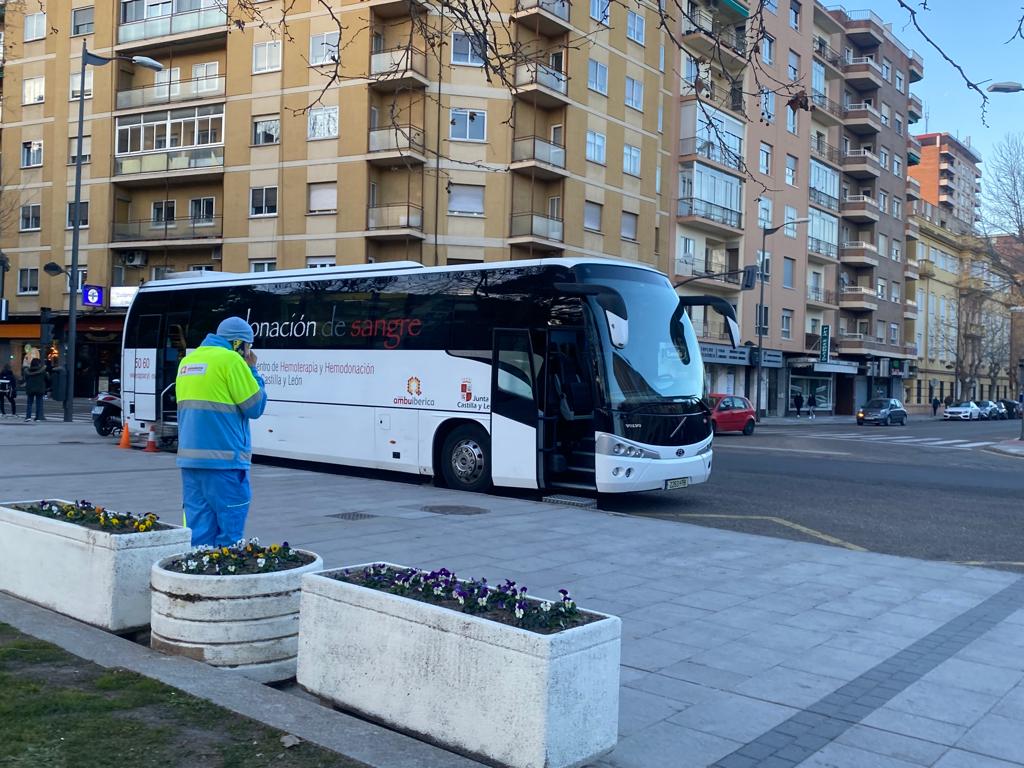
(976, 445)
(922, 442)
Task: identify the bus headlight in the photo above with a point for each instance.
(705, 449)
(610, 445)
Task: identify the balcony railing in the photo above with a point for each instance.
(694, 206)
(174, 23)
(726, 34)
(173, 160)
(713, 94)
(822, 295)
(859, 201)
(396, 138)
(825, 51)
(167, 93)
(825, 151)
(861, 107)
(823, 199)
(709, 329)
(831, 250)
(821, 101)
(537, 149)
(863, 61)
(398, 61)
(179, 229)
(559, 8)
(715, 268)
(536, 225)
(538, 73)
(397, 216)
(715, 150)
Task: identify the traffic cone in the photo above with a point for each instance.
(151, 442)
(126, 436)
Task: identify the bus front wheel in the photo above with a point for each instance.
(466, 459)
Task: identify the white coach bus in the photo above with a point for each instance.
(562, 373)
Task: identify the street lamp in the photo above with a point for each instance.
(96, 61)
(1007, 87)
(765, 231)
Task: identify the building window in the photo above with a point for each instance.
(322, 197)
(31, 218)
(761, 317)
(765, 159)
(163, 212)
(74, 81)
(592, 216)
(205, 75)
(894, 333)
(33, 90)
(468, 50)
(322, 123)
(768, 49)
(79, 283)
(597, 77)
(631, 160)
(635, 27)
(661, 118)
(792, 123)
(627, 229)
(73, 149)
(266, 57)
(35, 26)
(764, 261)
(788, 269)
(323, 49)
(898, 125)
(28, 281)
(468, 125)
(83, 218)
(887, 70)
(789, 230)
(596, 147)
(201, 211)
(263, 265)
(786, 324)
(661, 58)
(200, 268)
(320, 262)
(897, 166)
(266, 130)
(82, 21)
(897, 208)
(897, 250)
(263, 201)
(791, 170)
(657, 180)
(794, 66)
(881, 288)
(768, 105)
(31, 154)
(883, 244)
(885, 114)
(899, 82)
(466, 200)
(883, 201)
(883, 157)
(764, 212)
(634, 94)
(599, 10)
(794, 14)
(894, 293)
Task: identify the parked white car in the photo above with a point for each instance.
(965, 411)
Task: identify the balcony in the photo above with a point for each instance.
(716, 41)
(913, 151)
(859, 254)
(860, 208)
(396, 145)
(730, 100)
(828, 56)
(948, 200)
(913, 189)
(538, 159)
(710, 217)
(398, 69)
(393, 9)
(143, 231)
(825, 110)
(857, 298)
(927, 268)
(864, 344)
(862, 119)
(913, 230)
(711, 330)
(545, 17)
(948, 169)
(541, 85)
(713, 150)
(865, 29)
(826, 152)
(204, 20)
(916, 69)
(400, 221)
(173, 166)
(822, 199)
(910, 310)
(821, 251)
(914, 109)
(861, 164)
(912, 269)
(710, 272)
(536, 231)
(812, 343)
(822, 298)
(863, 73)
(170, 93)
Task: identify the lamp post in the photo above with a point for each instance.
(96, 61)
(765, 231)
(1005, 87)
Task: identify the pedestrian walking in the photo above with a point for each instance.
(812, 403)
(798, 403)
(935, 406)
(8, 390)
(35, 388)
(218, 391)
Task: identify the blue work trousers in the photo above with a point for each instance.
(216, 504)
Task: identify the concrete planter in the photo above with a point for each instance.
(500, 694)
(93, 576)
(248, 624)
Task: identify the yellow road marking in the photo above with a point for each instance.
(787, 524)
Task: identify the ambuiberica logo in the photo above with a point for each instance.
(413, 390)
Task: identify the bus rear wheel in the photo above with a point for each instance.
(466, 459)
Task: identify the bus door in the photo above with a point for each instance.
(139, 369)
(174, 349)
(515, 415)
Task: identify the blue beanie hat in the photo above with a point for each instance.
(235, 328)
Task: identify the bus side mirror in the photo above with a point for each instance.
(611, 301)
(722, 307)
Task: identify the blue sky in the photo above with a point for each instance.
(973, 34)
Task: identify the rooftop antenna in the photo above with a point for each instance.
(927, 113)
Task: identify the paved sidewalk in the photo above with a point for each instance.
(1009, 448)
(738, 650)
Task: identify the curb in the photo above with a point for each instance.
(1013, 448)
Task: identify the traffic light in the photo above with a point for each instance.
(45, 327)
(749, 278)
(755, 355)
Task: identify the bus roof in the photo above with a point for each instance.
(196, 279)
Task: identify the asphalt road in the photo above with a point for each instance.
(896, 490)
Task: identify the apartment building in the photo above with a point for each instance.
(243, 154)
(949, 176)
(812, 125)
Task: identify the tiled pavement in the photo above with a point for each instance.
(738, 650)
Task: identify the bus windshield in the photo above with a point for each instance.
(660, 362)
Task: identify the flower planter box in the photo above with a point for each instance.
(245, 623)
(93, 576)
(494, 692)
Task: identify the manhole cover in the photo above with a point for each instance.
(453, 509)
(571, 501)
(351, 516)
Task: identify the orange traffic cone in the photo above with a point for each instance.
(126, 436)
(151, 442)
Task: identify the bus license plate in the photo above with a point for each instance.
(679, 482)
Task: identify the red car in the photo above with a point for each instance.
(731, 413)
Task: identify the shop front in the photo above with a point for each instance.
(19, 344)
(732, 372)
(97, 350)
(808, 376)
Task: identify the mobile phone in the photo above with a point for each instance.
(239, 346)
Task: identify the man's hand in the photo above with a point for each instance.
(250, 358)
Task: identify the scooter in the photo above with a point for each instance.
(106, 413)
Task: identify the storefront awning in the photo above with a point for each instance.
(19, 330)
(737, 7)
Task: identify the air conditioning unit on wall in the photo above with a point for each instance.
(134, 258)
